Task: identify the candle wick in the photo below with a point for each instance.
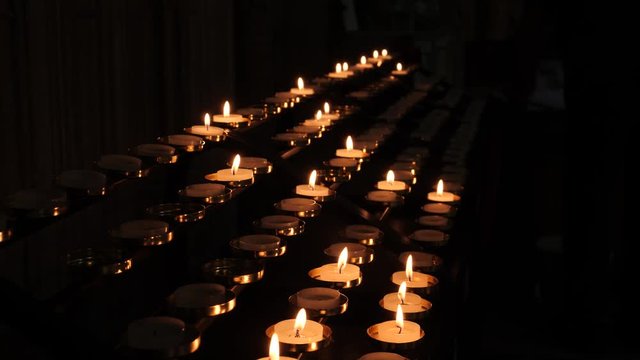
(399, 330)
(297, 333)
(312, 187)
(207, 126)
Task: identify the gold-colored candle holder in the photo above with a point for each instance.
(196, 301)
(233, 271)
(320, 301)
(178, 212)
(260, 245)
(161, 337)
(206, 193)
(364, 234)
(144, 232)
(90, 261)
(299, 207)
(186, 143)
(280, 225)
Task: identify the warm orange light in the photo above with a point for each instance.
(207, 120)
(312, 180)
(363, 60)
(345, 66)
(385, 52)
(301, 321)
(375, 54)
(399, 66)
(274, 348)
(318, 114)
(342, 259)
(391, 177)
(338, 68)
(236, 164)
(402, 292)
(349, 143)
(226, 109)
(409, 268)
(399, 319)
(440, 188)
(379, 63)
(300, 83)
(327, 108)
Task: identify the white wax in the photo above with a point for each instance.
(340, 75)
(258, 242)
(306, 129)
(354, 249)
(318, 190)
(445, 197)
(361, 232)
(279, 221)
(297, 204)
(184, 140)
(388, 332)
(413, 303)
(420, 259)
(231, 118)
(312, 332)
(317, 122)
(354, 154)
(155, 333)
(82, 179)
(437, 208)
(204, 130)
(138, 229)
(363, 66)
(318, 298)
(303, 91)
(381, 356)
(382, 196)
(154, 150)
(199, 295)
(204, 190)
(391, 186)
(343, 162)
(420, 280)
(228, 175)
(329, 272)
(433, 220)
(120, 162)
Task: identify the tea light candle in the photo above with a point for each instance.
(433, 221)
(184, 140)
(396, 332)
(235, 173)
(299, 331)
(391, 184)
(343, 163)
(382, 356)
(383, 196)
(409, 302)
(338, 74)
(155, 150)
(384, 54)
(359, 232)
(297, 204)
(301, 90)
(421, 259)
(227, 117)
(117, 162)
(204, 190)
(274, 350)
(341, 271)
(139, 229)
(375, 57)
(155, 333)
(363, 64)
(350, 152)
(434, 237)
(413, 279)
(399, 71)
(353, 249)
(318, 121)
(305, 129)
(278, 221)
(318, 298)
(258, 242)
(207, 129)
(437, 208)
(345, 68)
(327, 114)
(312, 189)
(199, 295)
(442, 196)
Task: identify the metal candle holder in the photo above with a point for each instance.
(91, 261)
(227, 304)
(210, 138)
(208, 200)
(318, 313)
(233, 271)
(178, 212)
(186, 148)
(284, 230)
(307, 347)
(236, 245)
(310, 213)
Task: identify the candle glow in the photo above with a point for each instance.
(226, 109)
(342, 259)
(402, 292)
(345, 66)
(409, 268)
(440, 188)
(207, 120)
(301, 321)
(363, 60)
(274, 348)
(399, 319)
(349, 144)
(300, 83)
(390, 177)
(385, 52)
(399, 66)
(338, 68)
(312, 180)
(235, 165)
(327, 108)
(375, 54)
(318, 114)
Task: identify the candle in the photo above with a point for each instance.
(274, 350)
(301, 90)
(434, 237)
(396, 332)
(399, 71)
(422, 260)
(433, 221)
(140, 229)
(235, 173)
(338, 74)
(318, 298)
(256, 164)
(383, 196)
(184, 140)
(207, 129)
(327, 114)
(437, 208)
(384, 54)
(343, 162)
(382, 356)
(199, 295)
(318, 121)
(155, 150)
(359, 232)
(391, 184)
(350, 152)
(258, 242)
(375, 57)
(156, 333)
(297, 204)
(117, 162)
(353, 249)
(204, 190)
(227, 117)
(300, 330)
(308, 130)
(312, 189)
(279, 222)
(442, 196)
(340, 272)
(363, 64)
(409, 302)
(414, 279)
(82, 179)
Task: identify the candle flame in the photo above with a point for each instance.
(379, 63)
(318, 114)
(409, 268)
(312, 180)
(345, 66)
(385, 52)
(274, 348)
(342, 259)
(338, 68)
(301, 321)
(207, 120)
(349, 143)
(402, 292)
(236, 164)
(375, 54)
(327, 108)
(399, 66)
(363, 59)
(399, 319)
(390, 177)
(300, 83)
(440, 188)
(226, 109)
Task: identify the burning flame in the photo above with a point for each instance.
(274, 348)
(338, 68)
(399, 319)
(440, 188)
(385, 52)
(363, 59)
(226, 109)
(379, 63)
(409, 269)
(399, 66)
(327, 108)
(318, 114)
(402, 292)
(345, 66)
(342, 259)
(312, 180)
(301, 321)
(207, 120)
(300, 83)
(391, 177)
(349, 143)
(236, 164)
(375, 54)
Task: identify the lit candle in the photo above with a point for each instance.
(199, 295)
(274, 350)
(299, 331)
(207, 129)
(338, 74)
(156, 333)
(437, 208)
(227, 117)
(399, 331)
(375, 57)
(340, 272)
(318, 121)
(327, 114)
(384, 54)
(139, 229)
(350, 152)
(414, 279)
(318, 298)
(409, 302)
(204, 190)
(363, 64)
(442, 196)
(312, 189)
(382, 356)
(399, 70)
(235, 173)
(391, 184)
(301, 90)
(297, 204)
(258, 242)
(421, 260)
(345, 68)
